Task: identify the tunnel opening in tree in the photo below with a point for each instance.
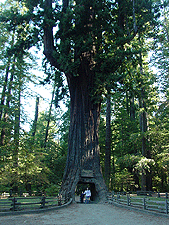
(82, 186)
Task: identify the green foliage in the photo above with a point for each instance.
(123, 181)
(52, 190)
(24, 163)
(144, 165)
(128, 161)
(110, 35)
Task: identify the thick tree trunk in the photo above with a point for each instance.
(83, 162)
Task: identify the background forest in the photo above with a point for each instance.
(34, 125)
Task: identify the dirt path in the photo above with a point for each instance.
(86, 214)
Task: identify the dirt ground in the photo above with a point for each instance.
(86, 214)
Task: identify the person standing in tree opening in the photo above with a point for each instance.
(88, 195)
(82, 197)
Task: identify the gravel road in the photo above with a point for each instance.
(86, 214)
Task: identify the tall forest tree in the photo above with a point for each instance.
(91, 43)
(95, 44)
(94, 41)
(107, 162)
(15, 63)
(159, 132)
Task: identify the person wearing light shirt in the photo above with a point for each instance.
(87, 195)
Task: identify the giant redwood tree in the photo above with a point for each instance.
(92, 41)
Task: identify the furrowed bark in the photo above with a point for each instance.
(83, 150)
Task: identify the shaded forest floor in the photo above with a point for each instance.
(86, 214)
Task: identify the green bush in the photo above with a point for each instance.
(53, 190)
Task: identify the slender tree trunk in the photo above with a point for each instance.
(49, 115)
(146, 178)
(36, 116)
(165, 15)
(143, 129)
(127, 102)
(134, 18)
(4, 92)
(143, 124)
(132, 108)
(6, 111)
(146, 182)
(108, 142)
(113, 172)
(16, 141)
(6, 78)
